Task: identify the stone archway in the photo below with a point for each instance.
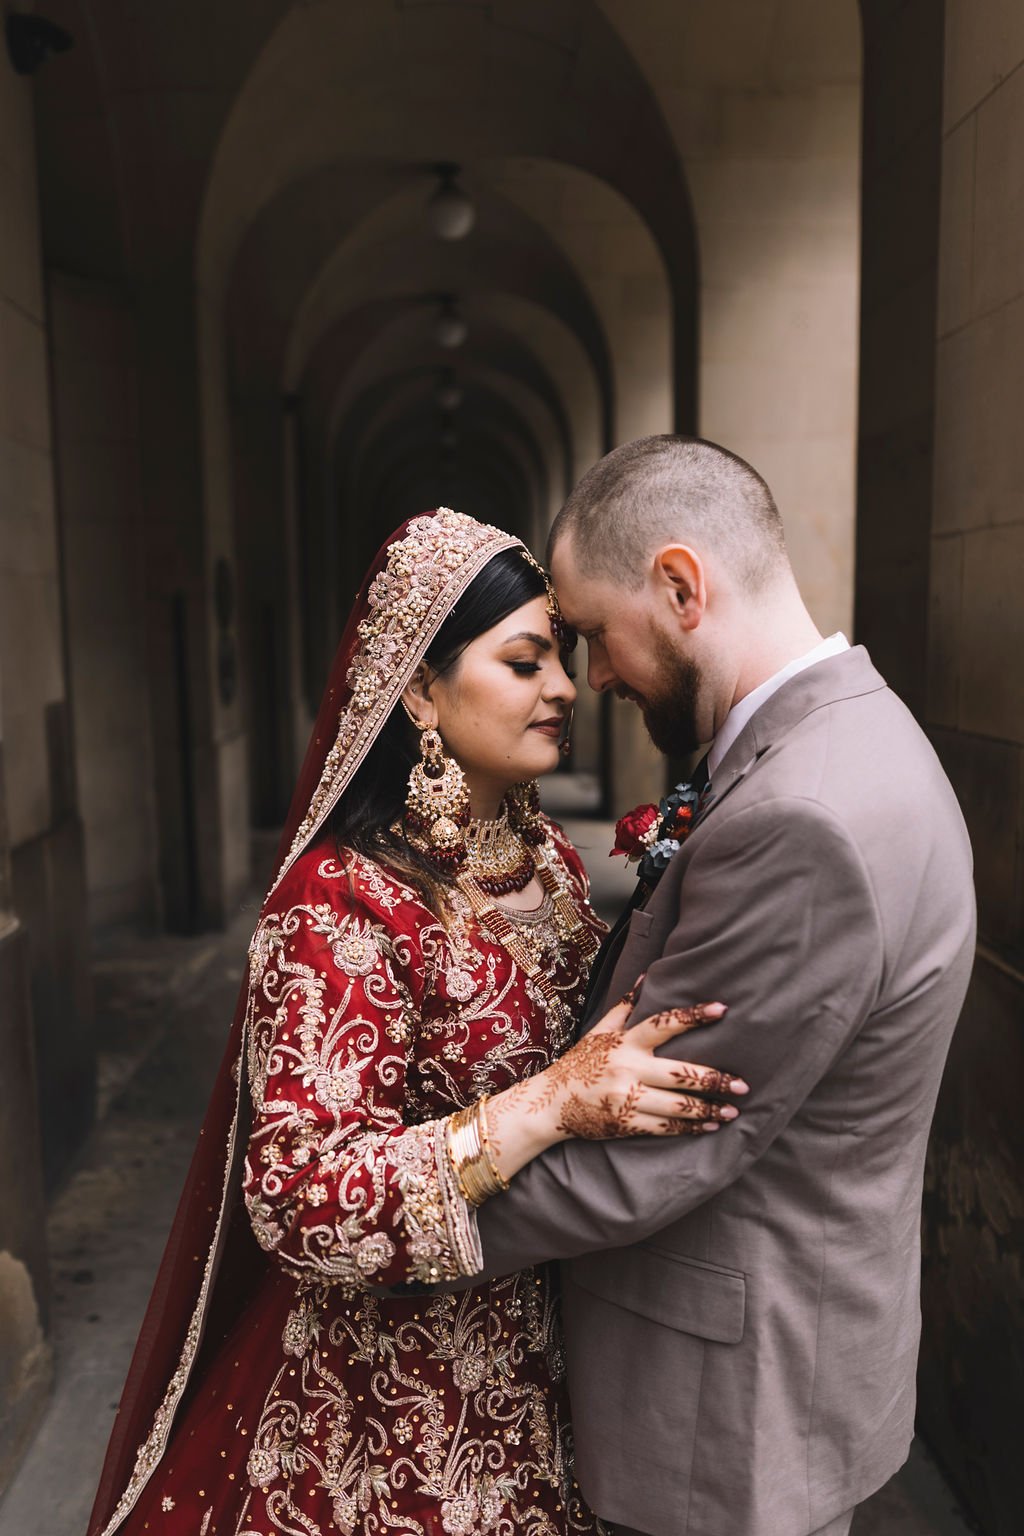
(550, 201)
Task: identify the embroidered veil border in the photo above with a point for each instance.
(414, 583)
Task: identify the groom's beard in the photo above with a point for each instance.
(671, 715)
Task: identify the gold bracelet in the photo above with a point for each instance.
(502, 1183)
(475, 1174)
(463, 1144)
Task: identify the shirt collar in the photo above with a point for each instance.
(748, 706)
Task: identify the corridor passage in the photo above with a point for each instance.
(278, 275)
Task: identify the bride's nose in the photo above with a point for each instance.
(561, 688)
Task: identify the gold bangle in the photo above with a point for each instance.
(463, 1144)
(476, 1176)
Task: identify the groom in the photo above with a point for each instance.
(741, 1310)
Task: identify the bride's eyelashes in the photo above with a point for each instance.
(524, 668)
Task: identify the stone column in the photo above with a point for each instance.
(97, 447)
(25, 1358)
(44, 832)
(199, 743)
(973, 1355)
(45, 1017)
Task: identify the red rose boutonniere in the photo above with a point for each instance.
(651, 834)
(635, 832)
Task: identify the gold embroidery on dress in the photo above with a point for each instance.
(480, 1470)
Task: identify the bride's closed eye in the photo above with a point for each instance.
(524, 668)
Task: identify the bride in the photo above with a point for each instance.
(402, 1046)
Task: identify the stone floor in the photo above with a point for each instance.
(163, 1010)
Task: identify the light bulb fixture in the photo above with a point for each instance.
(449, 438)
(448, 394)
(451, 213)
(450, 329)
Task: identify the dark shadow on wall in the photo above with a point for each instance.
(971, 1398)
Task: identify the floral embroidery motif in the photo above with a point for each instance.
(460, 984)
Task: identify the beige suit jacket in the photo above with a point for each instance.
(741, 1310)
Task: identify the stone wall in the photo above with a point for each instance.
(763, 103)
(44, 834)
(903, 50)
(973, 1367)
(43, 1003)
(96, 431)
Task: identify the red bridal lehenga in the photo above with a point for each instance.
(272, 1390)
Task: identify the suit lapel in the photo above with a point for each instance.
(844, 676)
(610, 949)
(728, 777)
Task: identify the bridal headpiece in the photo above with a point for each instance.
(424, 574)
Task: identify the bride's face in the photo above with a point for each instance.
(502, 708)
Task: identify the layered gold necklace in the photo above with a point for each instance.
(498, 859)
(532, 954)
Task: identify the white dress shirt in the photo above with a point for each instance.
(748, 706)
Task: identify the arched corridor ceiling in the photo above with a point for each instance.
(423, 82)
(666, 238)
(271, 188)
(314, 217)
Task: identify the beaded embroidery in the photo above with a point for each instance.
(423, 578)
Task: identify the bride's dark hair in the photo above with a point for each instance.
(375, 800)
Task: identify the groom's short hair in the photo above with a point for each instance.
(669, 489)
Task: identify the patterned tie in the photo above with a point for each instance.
(699, 778)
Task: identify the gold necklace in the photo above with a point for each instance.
(497, 858)
(571, 927)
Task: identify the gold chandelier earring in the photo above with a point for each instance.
(437, 805)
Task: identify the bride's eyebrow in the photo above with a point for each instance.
(539, 640)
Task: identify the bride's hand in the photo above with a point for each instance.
(611, 1083)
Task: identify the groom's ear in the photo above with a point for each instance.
(680, 578)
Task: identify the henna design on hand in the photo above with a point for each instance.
(707, 1110)
(498, 1109)
(686, 1018)
(631, 996)
(704, 1079)
(582, 1066)
(598, 1122)
(587, 1063)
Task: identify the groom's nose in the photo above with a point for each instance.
(599, 674)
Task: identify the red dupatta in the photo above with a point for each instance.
(414, 582)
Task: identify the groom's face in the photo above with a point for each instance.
(631, 654)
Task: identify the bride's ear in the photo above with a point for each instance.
(419, 706)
